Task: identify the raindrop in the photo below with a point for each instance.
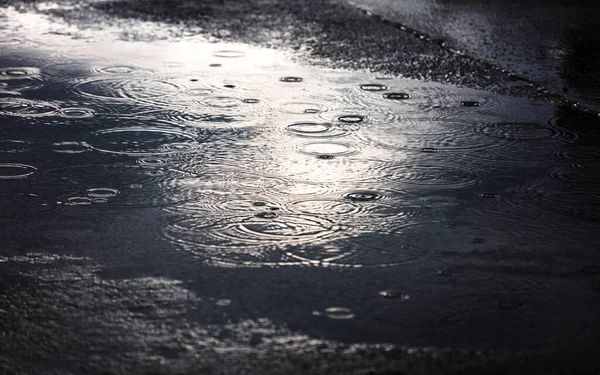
(470, 104)
(489, 195)
(140, 141)
(291, 79)
(266, 215)
(338, 313)
(76, 112)
(429, 149)
(397, 96)
(7, 73)
(71, 147)
(229, 86)
(102, 193)
(325, 157)
(9, 171)
(251, 101)
(352, 119)
(79, 201)
(228, 54)
(222, 102)
(315, 129)
(362, 196)
(394, 294)
(26, 108)
(373, 87)
(326, 148)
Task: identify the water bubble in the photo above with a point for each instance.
(77, 112)
(373, 87)
(325, 157)
(99, 200)
(8, 73)
(229, 86)
(251, 101)
(397, 96)
(259, 204)
(291, 79)
(229, 54)
(470, 104)
(215, 65)
(10, 171)
(394, 294)
(351, 119)
(429, 150)
(102, 192)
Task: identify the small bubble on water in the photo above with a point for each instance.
(373, 87)
(259, 204)
(397, 96)
(429, 149)
(266, 215)
(351, 119)
(251, 101)
(489, 195)
(194, 80)
(394, 294)
(312, 111)
(215, 65)
(99, 200)
(229, 86)
(102, 192)
(325, 157)
(470, 104)
(291, 79)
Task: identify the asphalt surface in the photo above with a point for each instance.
(130, 315)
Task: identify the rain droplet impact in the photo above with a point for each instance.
(71, 147)
(266, 215)
(140, 141)
(9, 171)
(470, 104)
(291, 79)
(325, 157)
(26, 108)
(315, 129)
(362, 196)
(394, 294)
(429, 150)
(102, 193)
(223, 102)
(6, 73)
(338, 313)
(251, 101)
(489, 195)
(79, 201)
(397, 96)
(373, 87)
(231, 54)
(77, 112)
(327, 148)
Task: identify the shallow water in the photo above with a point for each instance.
(353, 207)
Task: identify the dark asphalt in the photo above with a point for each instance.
(136, 310)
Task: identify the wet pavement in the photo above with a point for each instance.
(176, 198)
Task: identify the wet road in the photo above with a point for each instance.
(176, 198)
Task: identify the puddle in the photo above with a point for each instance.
(249, 160)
